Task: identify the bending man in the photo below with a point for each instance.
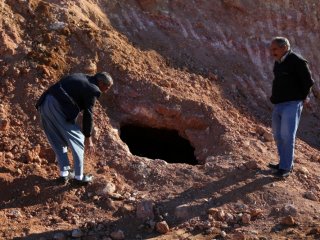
(59, 107)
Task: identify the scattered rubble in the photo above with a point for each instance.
(200, 69)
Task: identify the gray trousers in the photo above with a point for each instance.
(62, 134)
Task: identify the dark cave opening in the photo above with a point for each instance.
(157, 143)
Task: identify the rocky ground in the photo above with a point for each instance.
(199, 68)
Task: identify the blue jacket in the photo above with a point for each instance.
(75, 93)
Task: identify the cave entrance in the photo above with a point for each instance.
(158, 144)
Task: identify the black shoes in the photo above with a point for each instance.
(280, 173)
(64, 180)
(86, 179)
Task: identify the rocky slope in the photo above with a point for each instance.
(199, 68)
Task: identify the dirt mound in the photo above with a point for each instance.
(199, 69)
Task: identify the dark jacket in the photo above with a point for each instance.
(75, 93)
(292, 79)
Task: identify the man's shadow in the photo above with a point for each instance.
(29, 191)
(236, 185)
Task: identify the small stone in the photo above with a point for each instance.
(19, 171)
(217, 214)
(9, 155)
(260, 130)
(246, 143)
(221, 215)
(116, 196)
(229, 218)
(36, 189)
(223, 234)
(239, 216)
(246, 218)
(117, 235)
(57, 25)
(213, 211)
(14, 213)
(256, 212)
(95, 198)
(288, 221)
(311, 196)
(268, 137)
(76, 233)
(162, 227)
(126, 208)
(4, 125)
(203, 225)
(303, 170)
(251, 165)
(109, 188)
(111, 204)
(238, 236)
(127, 195)
(213, 230)
(132, 199)
(239, 206)
(290, 209)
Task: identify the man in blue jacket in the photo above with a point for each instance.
(291, 86)
(59, 107)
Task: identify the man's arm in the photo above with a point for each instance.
(87, 121)
(88, 145)
(87, 125)
(305, 78)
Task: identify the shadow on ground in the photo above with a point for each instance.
(235, 186)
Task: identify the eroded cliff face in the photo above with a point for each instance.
(227, 38)
(201, 68)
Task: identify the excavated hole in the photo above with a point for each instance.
(158, 144)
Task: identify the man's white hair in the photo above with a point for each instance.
(281, 42)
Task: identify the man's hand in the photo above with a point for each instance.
(88, 146)
(307, 104)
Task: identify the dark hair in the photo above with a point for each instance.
(281, 41)
(104, 77)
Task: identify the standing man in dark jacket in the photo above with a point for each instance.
(291, 86)
(59, 107)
